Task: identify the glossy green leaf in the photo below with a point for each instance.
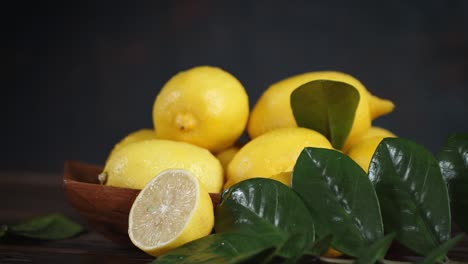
(412, 193)
(311, 253)
(319, 247)
(341, 198)
(327, 107)
(221, 248)
(268, 208)
(453, 162)
(440, 253)
(376, 251)
(50, 227)
(293, 243)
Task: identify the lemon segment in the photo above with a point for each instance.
(271, 153)
(204, 105)
(172, 209)
(134, 165)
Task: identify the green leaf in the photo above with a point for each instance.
(268, 208)
(453, 162)
(50, 227)
(319, 247)
(221, 248)
(412, 194)
(439, 254)
(327, 107)
(310, 253)
(376, 251)
(293, 243)
(341, 198)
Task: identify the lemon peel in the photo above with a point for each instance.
(204, 106)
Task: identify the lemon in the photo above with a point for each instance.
(273, 109)
(271, 153)
(134, 165)
(283, 177)
(139, 135)
(373, 131)
(379, 107)
(226, 156)
(172, 209)
(204, 105)
(363, 151)
(332, 253)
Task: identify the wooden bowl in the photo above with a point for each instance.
(106, 208)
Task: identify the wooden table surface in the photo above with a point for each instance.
(26, 195)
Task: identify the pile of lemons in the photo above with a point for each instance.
(193, 150)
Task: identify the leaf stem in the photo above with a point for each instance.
(102, 177)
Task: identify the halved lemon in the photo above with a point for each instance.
(172, 209)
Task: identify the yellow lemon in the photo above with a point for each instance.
(283, 177)
(226, 156)
(374, 131)
(332, 253)
(363, 151)
(273, 109)
(271, 153)
(204, 105)
(172, 209)
(134, 165)
(139, 135)
(378, 106)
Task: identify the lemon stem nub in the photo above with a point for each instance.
(379, 107)
(102, 177)
(185, 122)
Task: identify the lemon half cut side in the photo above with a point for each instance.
(172, 209)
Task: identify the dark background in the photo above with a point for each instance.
(86, 74)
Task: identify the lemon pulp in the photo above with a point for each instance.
(172, 209)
